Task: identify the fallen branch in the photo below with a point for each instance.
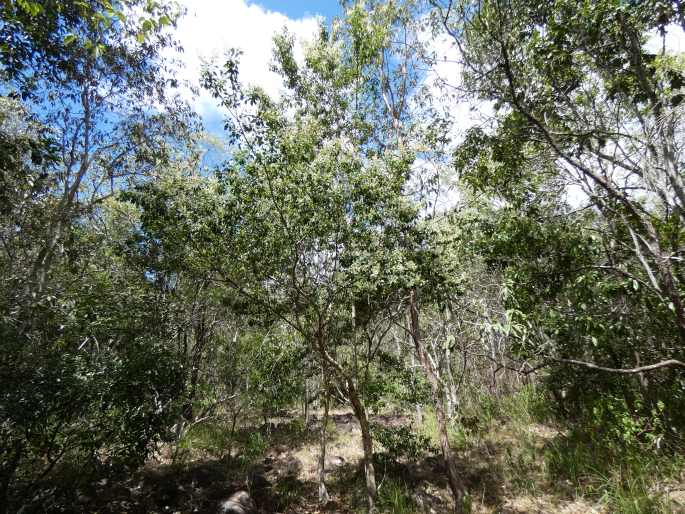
(670, 363)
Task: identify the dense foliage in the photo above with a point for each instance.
(359, 246)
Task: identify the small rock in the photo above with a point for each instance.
(238, 503)
(336, 461)
(427, 502)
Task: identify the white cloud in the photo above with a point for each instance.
(211, 27)
(673, 40)
(444, 81)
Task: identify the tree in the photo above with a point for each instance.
(310, 200)
(582, 102)
(84, 72)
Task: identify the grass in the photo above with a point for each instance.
(626, 480)
(510, 452)
(211, 438)
(394, 496)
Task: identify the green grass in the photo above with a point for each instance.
(625, 479)
(394, 496)
(511, 444)
(213, 438)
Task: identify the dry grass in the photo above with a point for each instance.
(505, 462)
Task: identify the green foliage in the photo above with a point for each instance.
(401, 442)
(394, 496)
(622, 477)
(142, 294)
(254, 448)
(53, 40)
(214, 438)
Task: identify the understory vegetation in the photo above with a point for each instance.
(440, 271)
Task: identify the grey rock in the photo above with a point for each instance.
(238, 503)
(336, 461)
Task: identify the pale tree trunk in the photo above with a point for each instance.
(419, 413)
(323, 493)
(452, 402)
(455, 483)
(306, 405)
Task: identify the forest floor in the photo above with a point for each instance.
(508, 467)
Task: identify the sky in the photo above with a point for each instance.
(210, 27)
(302, 8)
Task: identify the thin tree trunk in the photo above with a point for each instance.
(306, 404)
(419, 413)
(323, 493)
(347, 384)
(452, 386)
(455, 483)
(367, 444)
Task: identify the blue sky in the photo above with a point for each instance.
(211, 27)
(302, 8)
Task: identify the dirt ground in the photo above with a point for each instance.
(283, 478)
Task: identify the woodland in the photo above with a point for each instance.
(381, 290)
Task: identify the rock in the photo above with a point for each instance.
(427, 502)
(238, 503)
(336, 461)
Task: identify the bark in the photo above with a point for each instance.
(347, 384)
(452, 401)
(367, 444)
(323, 493)
(306, 405)
(419, 411)
(455, 482)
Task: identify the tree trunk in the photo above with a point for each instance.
(419, 412)
(367, 444)
(347, 384)
(455, 483)
(452, 402)
(323, 493)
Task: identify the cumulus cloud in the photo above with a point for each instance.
(210, 27)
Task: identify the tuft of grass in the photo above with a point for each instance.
(394, 496)
(458, 435)
(213, 438)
